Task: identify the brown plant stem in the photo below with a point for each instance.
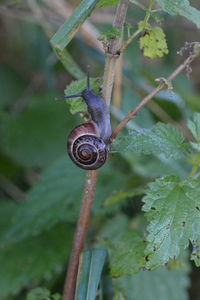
(113, 51)
(80, 235)
(134, 111)
(88, 196)
(117, 90)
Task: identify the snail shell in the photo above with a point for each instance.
(85, 148)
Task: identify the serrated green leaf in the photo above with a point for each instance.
(162, 284)
(78, 105)
(153, 166)
(194, 126)
(128, 255)
(153, 43)
(57, 197)
(173, 210)
(28, 262)
(66, 32)
(160, 139)
(182, 8)
(36, 137)
(91, 265)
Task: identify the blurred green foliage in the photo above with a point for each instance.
(40, 187)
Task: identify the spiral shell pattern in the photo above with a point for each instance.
(86, 149)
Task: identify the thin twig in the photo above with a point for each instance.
(130, 39)
(80, 235)
(88, 196)
(133, 112)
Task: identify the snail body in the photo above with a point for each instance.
(99, 112)
(88, 144)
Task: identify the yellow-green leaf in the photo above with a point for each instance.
(153, 43)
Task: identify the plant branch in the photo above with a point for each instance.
(113, 51)
(133, 112)
(80, 235)
(131, 38)
(88, 196)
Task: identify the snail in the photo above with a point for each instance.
(88, 144)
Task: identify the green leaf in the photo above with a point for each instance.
(128, 255)
(38, 294)
(110, 34)
(143, 25)
(194, 126)
(173, 210)
(153, 166)
(91, 266)
(113, 228)
(7, 212)
(36, 136)
(160, 139)
(66, 32)
(153, 43)
(182, 8)
(42, 294)
(107, 3)
(162, 284)
(78, 105)
(28, 262)
(117, 196)
(56, 197)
